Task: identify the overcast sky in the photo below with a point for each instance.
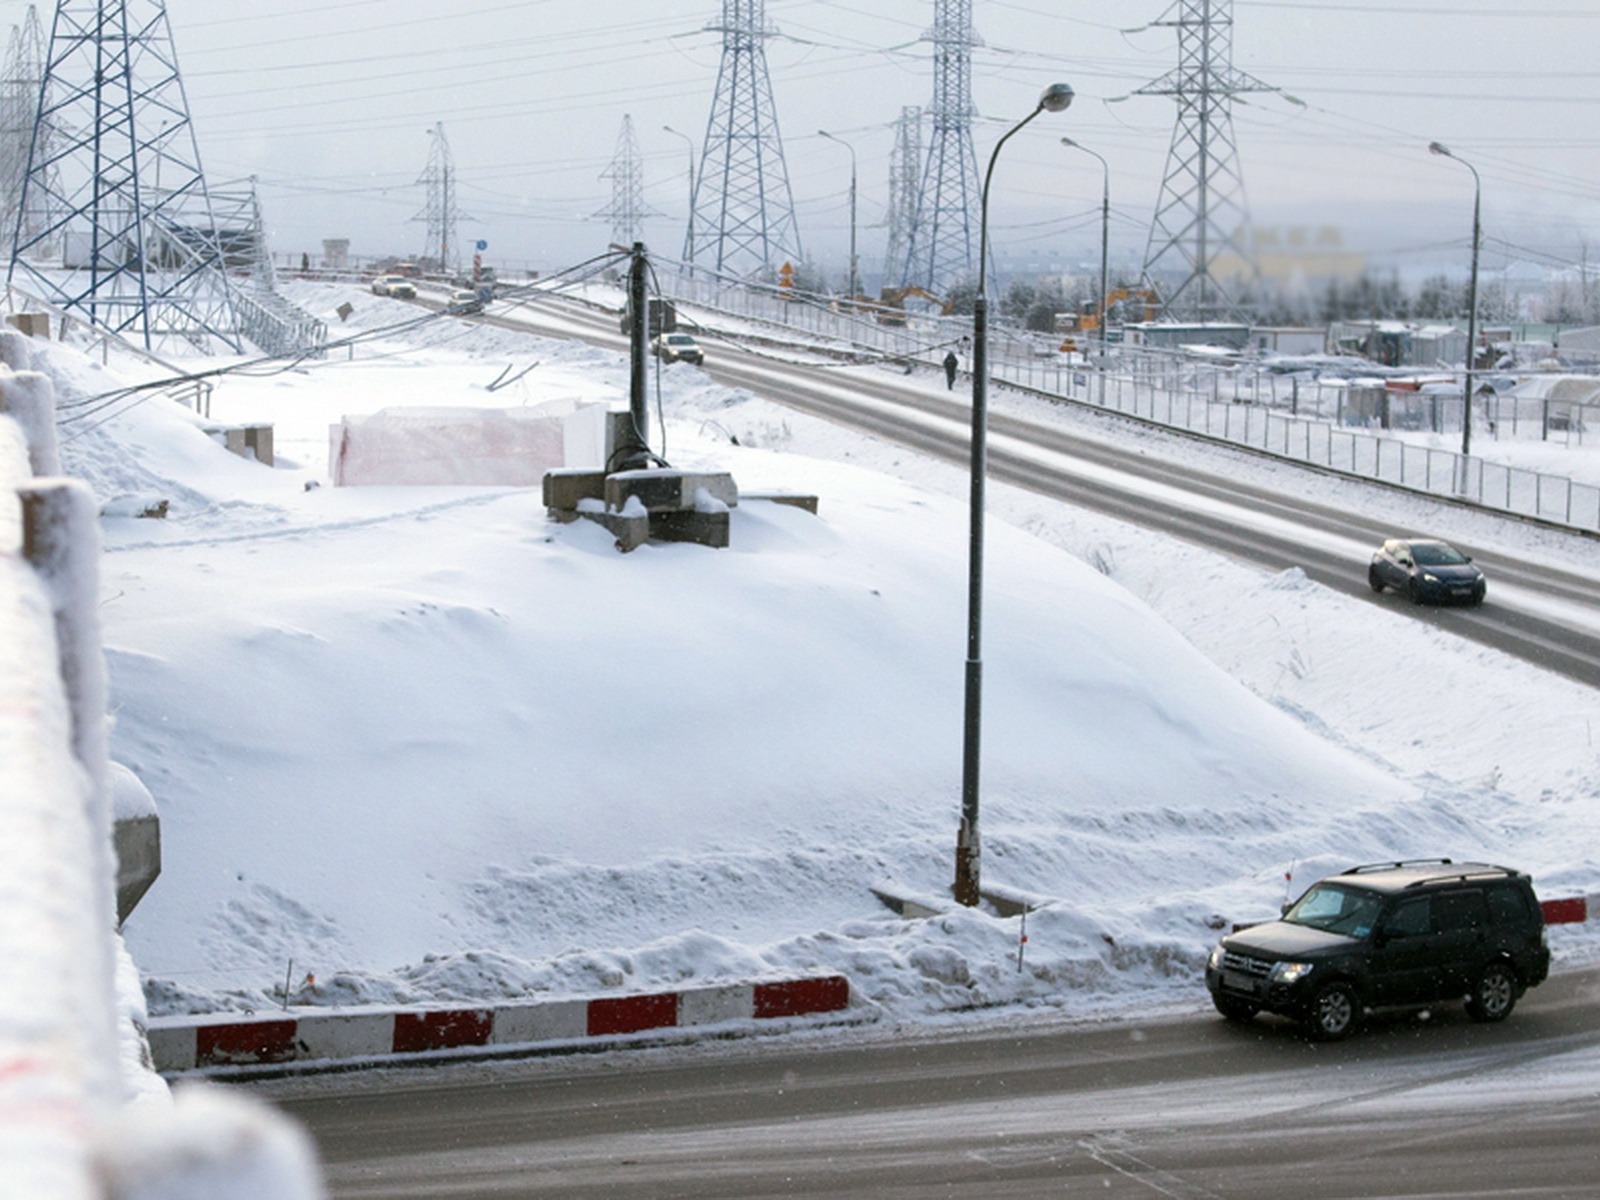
(331, 105)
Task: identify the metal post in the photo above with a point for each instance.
(1472, 302)
(637, 454)
(968, 846)
(855, 273)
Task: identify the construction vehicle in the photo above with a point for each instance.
(1126, 306)
(890, 307)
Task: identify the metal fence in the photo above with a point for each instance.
(1355, 428)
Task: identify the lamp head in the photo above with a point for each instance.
(1439, 148)
(1057, 97)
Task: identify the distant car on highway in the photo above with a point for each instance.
(396, 286)
(677, 347)
(1427, 571)
(465, 301)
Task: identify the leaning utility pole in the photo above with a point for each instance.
(743, 207)
(1201, 213)
(943, 243)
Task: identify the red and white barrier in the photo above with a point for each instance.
(196, 1043)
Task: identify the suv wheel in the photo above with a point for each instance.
(1333, 1012)
(1238, 1011)
(1494, 995)
(1374, 580)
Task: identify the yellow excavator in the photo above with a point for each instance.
(890, 306)
(1137, 304)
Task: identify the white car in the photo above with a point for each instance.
(396, 286)
(465, 301)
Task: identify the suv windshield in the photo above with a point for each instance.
(1336, 909)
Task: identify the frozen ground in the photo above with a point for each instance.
(421, 744)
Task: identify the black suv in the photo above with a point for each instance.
(1387, 936)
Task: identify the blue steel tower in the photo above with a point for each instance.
(131, 244)
(944, 236)
(1201, 213)
(743, 208)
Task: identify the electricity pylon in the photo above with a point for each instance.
(944, 234)
(19, 102)
(743, 206)
(905, 172)
(1201, 212)
(114, 162)
(440, 213)
(627, 209)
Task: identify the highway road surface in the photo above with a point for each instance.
(1189, 1107)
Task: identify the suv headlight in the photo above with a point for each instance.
(1216, 957)
(1290, 972)
(1429, 577)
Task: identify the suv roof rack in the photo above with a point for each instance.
(1395, 866)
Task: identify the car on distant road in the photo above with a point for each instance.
(1428, 571)
(465, 301)
(1400, 935)
(677, 347)
(396, 286)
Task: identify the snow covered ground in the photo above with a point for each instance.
(423, 745)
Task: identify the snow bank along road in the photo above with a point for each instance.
(1545, 615)
(1194, 1108)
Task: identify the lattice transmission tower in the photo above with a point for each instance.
(743, 206)
(440, 215)
(627, 209)
(19, 102)
(905, 175)
(113, 159)
(1201, 215)
(944, 234)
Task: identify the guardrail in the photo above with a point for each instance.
(62, 1088)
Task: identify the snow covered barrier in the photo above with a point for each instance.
(463, 446)
(30, 399)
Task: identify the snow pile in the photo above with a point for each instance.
(422, 744)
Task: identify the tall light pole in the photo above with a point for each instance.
(855, 274)
(1472, 301)
(1105, 237)
(688, 237)
(1056, 98)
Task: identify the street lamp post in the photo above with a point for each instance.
(855, 275)
(688, 237)
(1056, 97)
(1105, 238)
(1472, 302)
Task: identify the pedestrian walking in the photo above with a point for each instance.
(951, 362)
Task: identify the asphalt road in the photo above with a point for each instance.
(1544, 615)
(1191, 1108)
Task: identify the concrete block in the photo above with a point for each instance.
(556, 1021)
(172, 1047)
(31, 324)
(714, 1005)
(667, 490)
(702, 528)
(564, 488)
(344, 1035)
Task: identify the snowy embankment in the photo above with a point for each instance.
(423, 745)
